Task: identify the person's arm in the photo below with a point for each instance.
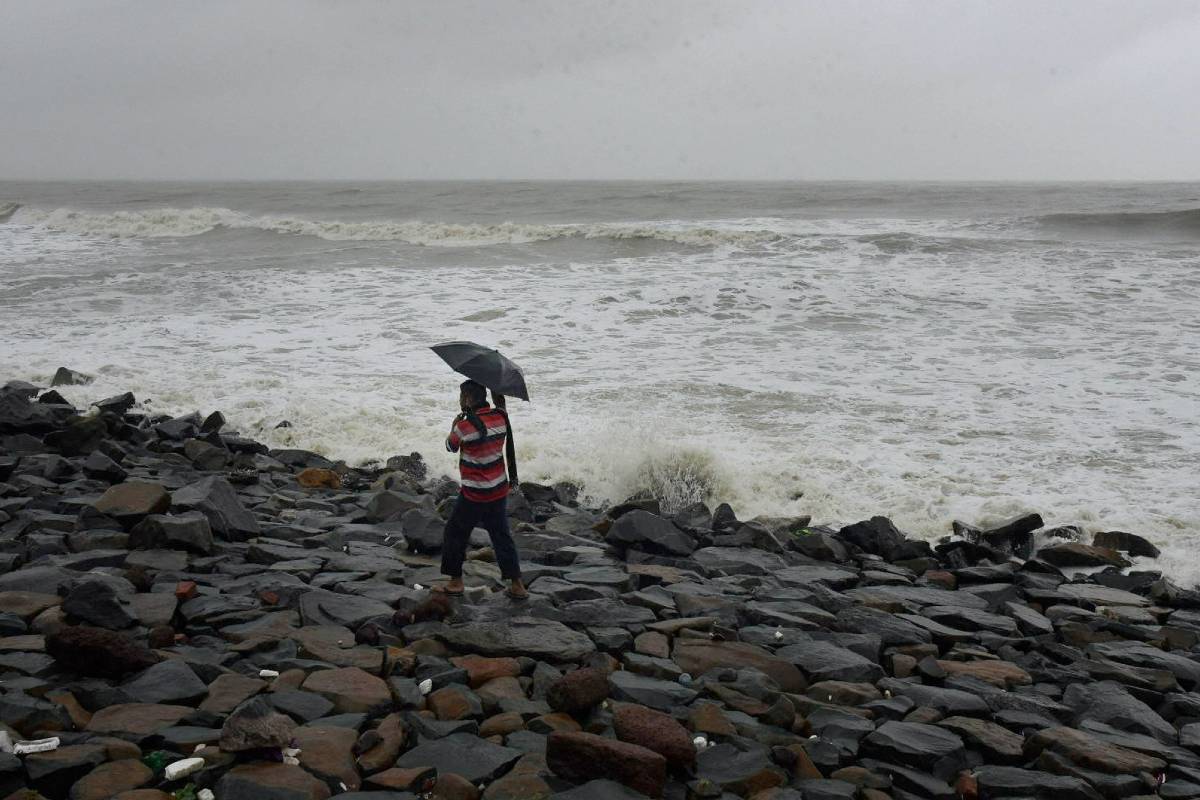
(454, 440)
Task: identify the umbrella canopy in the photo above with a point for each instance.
(484, 365)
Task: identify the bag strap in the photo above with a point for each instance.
(510, 448)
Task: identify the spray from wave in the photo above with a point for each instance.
(184, 222)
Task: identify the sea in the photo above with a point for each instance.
(924, 351)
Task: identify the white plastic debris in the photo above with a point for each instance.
(36, 746)
(418, 586)
(6, 744)
(268, 673)
(198, 748)
(778, 634)
(291, 761)
(700, 742)
(291, 751)
(205, 794)
(185, 767)
(685, 679)
(426, 686)
(343, 786)
(887, 693)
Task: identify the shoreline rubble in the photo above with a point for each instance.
(187, 611)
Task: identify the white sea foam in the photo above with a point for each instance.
(873, 365)
(182, 222)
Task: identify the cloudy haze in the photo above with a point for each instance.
(935, 90)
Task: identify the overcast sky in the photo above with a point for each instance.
(561, 89)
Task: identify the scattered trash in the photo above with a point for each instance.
(426, 686)
(778, 634)
(291, 761)
(700, 742)
(181, 768)
(887, 693)
(35, 746)
(199, 747)
(291, 751)
(268, 673)
(6, 744)
(418, 586)
(342, 785)
(156, 761)
(206, 794)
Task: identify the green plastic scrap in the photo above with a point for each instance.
(156, 760)
(186, 793)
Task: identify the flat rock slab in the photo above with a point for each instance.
(825, 661)
(522, 636)
(462, 754)
(350, 689)
(702, 656)
(661, 695)
(136, 719)
(265, 781)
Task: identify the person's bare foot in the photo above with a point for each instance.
(453, 586)
(516, 590)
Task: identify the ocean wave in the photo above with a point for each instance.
(184, 222)
(1183, 222)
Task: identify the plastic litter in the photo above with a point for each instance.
(206, 794)
(6, 743)
(268, 673)
(426, 686)
(291, 751)
(418, 586)
(36, 746)
(181, 768)
(778, 634)
(700, 742)
(291, 761)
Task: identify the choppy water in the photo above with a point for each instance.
(926, 351)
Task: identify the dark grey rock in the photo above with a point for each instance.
(216, 499)
(651, 533)
(190, 532)
(321, 607)
(825, 661)
(170, 681)
(1016, 782)
(96, 602)
(464, 754)
(520, 636)
(658, 694)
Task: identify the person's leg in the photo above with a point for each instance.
(454, 540)
(495, 521)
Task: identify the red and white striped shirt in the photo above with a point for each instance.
(481, 456)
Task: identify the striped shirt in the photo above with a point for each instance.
(481, 457)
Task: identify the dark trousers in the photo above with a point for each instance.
(492, 517)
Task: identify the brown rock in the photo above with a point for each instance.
(143, 794)
(392, 736)
(999, 744)
(1004, 674)
(328, 754)
(501, 724)
(652, 643)
(288, 680)
(28, 605)
(98, 652)
(261, 779)
(229, 691)
(518, 787)
(966, 786)
(454, 787)
(336, 645)
(579, 690)
(186, 590)
(418, 780)
(497, 689)
(1088, 752)
(79, 715)
(317, 478)
(134, 499)
(112, 778)
(136, 719)
(256, 724)
(161, 636)
(481, 669)
(54, 771)
(843, 693)
(941, 579)
(708, 718)
(699, 656)
(1074, 554)
(453, 702)
(802, 766)
(350, 689)
(580, 757)
(655, 731)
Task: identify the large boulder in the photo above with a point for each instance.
(190, 532)
(578, 690)
(937, 749)
(98, 652)
(216, 499)
(1125, 542)
(877, 536)
(655, 731)
(98, 603)
(579, 757)
(520, 636)
(1074, 554)
(255, 724)
(651, 533)
(133, 500)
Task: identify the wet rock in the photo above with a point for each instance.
(997, 743)
(463, 754)
(255, 725)
(1110, 703)
(877, 535)
(1125, 542)
(54, 772)
(97, 603)
(30, 715)
(581, 757)
(327, 753)
(651, 533)
(169, 681)
(821, 661)
(662, 695)
(742, 772)
(322, 607)
(520, 636)
(1074, 554)
(998, 781)
(136, 720)
(698, 657)
(1089, 752)
(927, 746)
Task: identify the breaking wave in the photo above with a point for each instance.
(1185, 222)
(183, 222)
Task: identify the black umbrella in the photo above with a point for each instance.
(484, 365)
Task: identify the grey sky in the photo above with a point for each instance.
(561, 89)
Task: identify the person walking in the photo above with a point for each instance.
(478, 435)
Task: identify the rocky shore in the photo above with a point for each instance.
(185, 613)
